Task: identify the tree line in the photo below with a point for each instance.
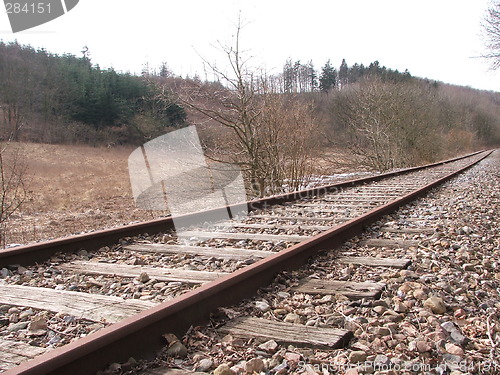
(46, 97)
(298, 77)
(381, 117)
(278, 127)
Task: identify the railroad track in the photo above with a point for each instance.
(106, 296)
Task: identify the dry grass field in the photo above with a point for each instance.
(73, 189)
(77, 188)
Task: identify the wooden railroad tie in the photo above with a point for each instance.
(350, 289)
(313, 218)
(287, 333)
(215, 252)
(15, 352)
(93, 307)
(157, 273)
(391, 243)
(376, 262)
(200, 235)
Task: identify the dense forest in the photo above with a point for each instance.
(66, 99)
(384, 118)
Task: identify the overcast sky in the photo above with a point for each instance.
(437, 39)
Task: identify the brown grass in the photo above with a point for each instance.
(77, 188)
(74, 189)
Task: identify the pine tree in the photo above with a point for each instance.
(328, 77)
(343, 74)
(313, 78)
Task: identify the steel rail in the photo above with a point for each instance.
(30, 254)
(142, 333)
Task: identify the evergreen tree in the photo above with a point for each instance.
(289, 76)
(313, 77)
(164, 70)
(343, 74)
(328, 77)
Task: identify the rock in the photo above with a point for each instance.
(327, 299)
(399, 307)
(466, 230)
(419, 294)
(452, 361)
(21, 270)
(357, 356)
(269, 346)
(292, 357)
(129, 365)
(13, 310)
(407, 274)
(159, 285)
(454, 349)
(175, 347)
(204, 365)
(14, 327)
(380, 331)
(292, 318)
(460, 314)
(114, 367)
(468, 267)
(423, 347)
(435, 304)
(350, 311)
(381, 360)
(454, 332)
(283, 294)
(37, 327)
(280, 311)
(26, 314)
(379, 309)
(4, 321)
(143, 277)
(255, 365)
(224, 370)
(262, 306)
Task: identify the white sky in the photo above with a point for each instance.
(437, 39)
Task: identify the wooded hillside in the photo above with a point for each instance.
(66, 99)
(384, 117)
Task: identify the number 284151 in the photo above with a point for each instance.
(34, 8)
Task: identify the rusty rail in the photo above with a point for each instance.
(141, 333)
(37, 252)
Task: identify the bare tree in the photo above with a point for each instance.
(259, 124)
(13, 188)
(291, 138)
(491, 27)
(385, 125)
